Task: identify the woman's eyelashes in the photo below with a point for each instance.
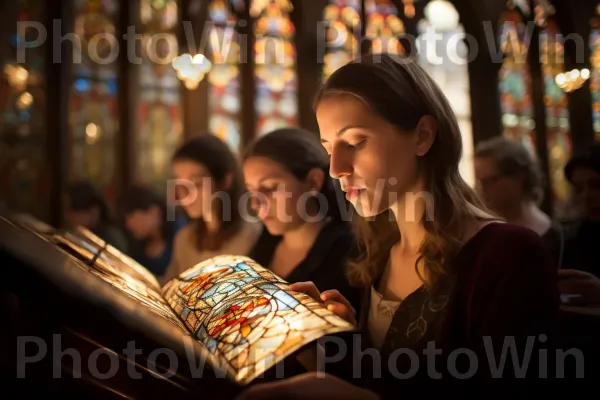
(357, 144)
(349, 144)
(267, 189)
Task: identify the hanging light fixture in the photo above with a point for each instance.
(442, 14)
(24, 101)
(16, 75)
(191, 70)
(572, 80)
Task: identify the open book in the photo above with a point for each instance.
(240, 317)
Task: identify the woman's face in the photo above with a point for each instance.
(143, 223)
(194, 189)
(375, 162)
(278, 197)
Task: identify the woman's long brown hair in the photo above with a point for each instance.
(398, 90)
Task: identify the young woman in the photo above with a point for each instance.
(145, 217)
(209, 187)
(510, 183)
(306, 238)
(85, 206)
(440, 273)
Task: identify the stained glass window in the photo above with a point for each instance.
(515, 81)
(22, 109)
(276, 98)
(595, 74)
(384, 28)
(342, 33)
(159, 125)
(446, 63)
(245, 315)
(93, 113)
(224, 97)
(558, 137)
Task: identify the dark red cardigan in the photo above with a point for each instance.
(504, 287)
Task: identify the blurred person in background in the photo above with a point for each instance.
(209, 188)
(145, 217)
(306, 237)
(86, 207)
(510, 182)
(580, 279)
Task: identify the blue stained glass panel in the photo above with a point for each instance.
(23, 128)
(276, 102)
(342, 34)
(93, 107)
(224, 85)
(558, 136)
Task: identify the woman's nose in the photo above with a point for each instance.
(260, 205)
(254, 202)
(340, 164)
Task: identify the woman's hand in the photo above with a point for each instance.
(311, 385)
(332, 299)
(571, 281)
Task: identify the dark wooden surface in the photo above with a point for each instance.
(81, 327)
(31, 307)
(35, 310)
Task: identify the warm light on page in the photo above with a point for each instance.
(245, 314)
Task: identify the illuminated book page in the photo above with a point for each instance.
(114, 270)
(246, 315)
(119, 260)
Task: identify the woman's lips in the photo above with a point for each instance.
(353, 193)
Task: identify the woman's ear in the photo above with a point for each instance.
(426, 132)
(315, 179)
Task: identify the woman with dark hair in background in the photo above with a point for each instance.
(209, 188)
(511, 184)
(145, 217)
(86, 207)
(306, 237)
